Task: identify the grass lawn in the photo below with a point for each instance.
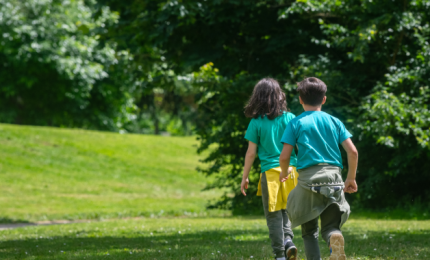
(51, 173)
(203, 238)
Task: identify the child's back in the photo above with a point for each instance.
(267, 133)
(318, 136)
(320, 191)
(267, 108)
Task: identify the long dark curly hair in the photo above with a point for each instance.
(267, 100)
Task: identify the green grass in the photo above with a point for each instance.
(203, 238)
(51, 173)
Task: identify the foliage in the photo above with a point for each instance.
(373, 55)
(163, 102)
(204, 238)
(386, 45)
(216, 124)
(137, 69)
(55, 69)
(243, 57)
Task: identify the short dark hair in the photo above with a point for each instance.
(312, 91)
(267, 99)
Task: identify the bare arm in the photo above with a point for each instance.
(284, 162)
(249, 160)
(351, 151)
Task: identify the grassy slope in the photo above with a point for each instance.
(49, 173)
(204, 238)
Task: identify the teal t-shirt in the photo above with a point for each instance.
(267, 135)
(318, 136)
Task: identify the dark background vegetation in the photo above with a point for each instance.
(188, 67)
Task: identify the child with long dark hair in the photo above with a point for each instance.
(268, 109)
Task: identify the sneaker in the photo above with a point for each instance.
(290, 250)
(337, 244)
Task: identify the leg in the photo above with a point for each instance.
(330, 230)
(310, 239)
(274, 222)
(330, 222)
(288, 232)
(290, 248)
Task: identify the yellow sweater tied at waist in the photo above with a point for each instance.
(278, 191)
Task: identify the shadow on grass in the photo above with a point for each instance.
(98, 216)
(5, 220)
(397, 214)
(215, 244)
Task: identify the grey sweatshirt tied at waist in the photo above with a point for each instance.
(318, 187)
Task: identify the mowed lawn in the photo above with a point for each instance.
(51, 173)
(204, 238)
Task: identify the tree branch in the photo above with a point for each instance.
(396, 50)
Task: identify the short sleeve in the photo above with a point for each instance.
(343, 133)
(289, 137)
(290, 117)
(252, 132)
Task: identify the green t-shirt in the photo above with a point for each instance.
(267, 135)
(318, 136)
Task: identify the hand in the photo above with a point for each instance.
(350, 186)
(282, 177)
(244, 186)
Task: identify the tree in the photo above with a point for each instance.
(56, 70)
(246, 42)
(154, 62)
(164, 102)
(373, 55)
(378, 51)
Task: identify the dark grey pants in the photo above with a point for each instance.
(330, 222)
(278, 223)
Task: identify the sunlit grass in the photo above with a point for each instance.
(51, 173)
(203, 238)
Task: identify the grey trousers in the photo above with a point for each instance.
(278, 223)
(330, 221)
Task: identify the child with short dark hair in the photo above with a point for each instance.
(320, 191)
(268, 109)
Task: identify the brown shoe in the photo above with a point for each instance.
(337, 244)
(290, 251)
